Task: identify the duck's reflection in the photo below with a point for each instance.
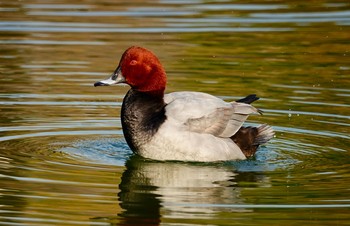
(150, 190)
(138, 197)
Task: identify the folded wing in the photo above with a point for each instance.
(204, 113)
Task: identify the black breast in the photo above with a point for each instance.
(142, 114)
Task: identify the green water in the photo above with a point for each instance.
(63, 158)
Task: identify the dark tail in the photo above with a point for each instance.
(249, 138)
(248, 99)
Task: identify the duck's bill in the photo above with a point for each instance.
(115, 78)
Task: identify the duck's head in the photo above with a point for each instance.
(139, 68)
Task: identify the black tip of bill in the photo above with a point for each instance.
(100, 84)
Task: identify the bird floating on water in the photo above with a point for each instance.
(182, 126)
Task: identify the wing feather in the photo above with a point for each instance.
(203, 113)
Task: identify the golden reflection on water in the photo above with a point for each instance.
(63, 159)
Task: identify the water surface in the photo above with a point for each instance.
(63, 158)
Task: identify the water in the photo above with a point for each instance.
(63, 158)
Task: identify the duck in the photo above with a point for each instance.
(185, 125)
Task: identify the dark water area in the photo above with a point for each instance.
(63, 157)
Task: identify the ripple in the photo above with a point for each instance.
(65, 125)
(250, 7)
(62, 133)
(143, 29)
(61, 103)
(104, 150)
(56, 6)
(311, 132)
(271, 206)
(328, 15)
(53, 24)
(321, 103)
(333, 123)
(8, 9)
(292, 112)
(40, 220)
(181, 2)
(49, 181)
(267, 158)
(192, 22)
(48, 42)
(296, 87)
(149, 12)
(55, 96)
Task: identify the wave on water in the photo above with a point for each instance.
(108, 151)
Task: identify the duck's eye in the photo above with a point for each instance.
(133, 62)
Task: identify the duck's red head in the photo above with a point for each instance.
(139, 68)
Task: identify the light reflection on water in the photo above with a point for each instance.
(63, 159)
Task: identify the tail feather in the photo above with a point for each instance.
(248, 99)
(265, 133)
(249, 138)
